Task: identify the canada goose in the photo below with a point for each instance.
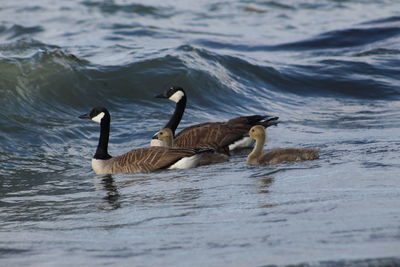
(145, 159)
(277, 155)
(167, 138)
(221, 136)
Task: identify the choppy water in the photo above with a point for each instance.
(328, 69)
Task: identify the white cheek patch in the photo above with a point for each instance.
(98, 117)
(177, 96)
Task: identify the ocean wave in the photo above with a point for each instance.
(18, 31)
(378, 52)
(34, 74)
(345, 78)
(49, 78)
(390, 19)
(338, 39)
(343, 38)
(111, 7)
(328, 69)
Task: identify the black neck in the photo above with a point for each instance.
(102, 147)
(177, 116)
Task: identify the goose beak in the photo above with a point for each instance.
(84, 116)
(161, 96)
(271, 121)
(155, 136)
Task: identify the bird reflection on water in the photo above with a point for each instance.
(111, 199)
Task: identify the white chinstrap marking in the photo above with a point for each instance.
(177, 96)
(98, 117)
(187, 162)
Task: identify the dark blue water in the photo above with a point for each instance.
(328, 69)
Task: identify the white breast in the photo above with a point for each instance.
(100, 166)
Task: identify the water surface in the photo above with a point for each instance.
(328, 69)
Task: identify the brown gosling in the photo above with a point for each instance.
(277, 155)
(167, 138)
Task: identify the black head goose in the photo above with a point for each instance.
(146, 159)
(221, 136)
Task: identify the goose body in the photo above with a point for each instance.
(277, 155)
(145, 159)
(165, 136)
(221, 136)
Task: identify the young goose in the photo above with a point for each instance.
(167, 138)
(221, 136)
(277, 155)
(146, 159)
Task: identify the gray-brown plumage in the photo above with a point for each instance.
(167, 137)
(146, 159)
(277, 155)
(218, 135)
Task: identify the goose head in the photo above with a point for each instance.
(174, 93)
(166, 136)
(101, 116)
(257, 132)
(97, 114)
